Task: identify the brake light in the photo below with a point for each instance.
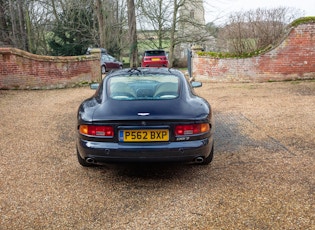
(97, 130)
(191, 129)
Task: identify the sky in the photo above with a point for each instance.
(221, 8)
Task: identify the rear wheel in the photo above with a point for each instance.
(209, 159)
(83, 162)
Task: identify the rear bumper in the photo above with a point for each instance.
(105, 152)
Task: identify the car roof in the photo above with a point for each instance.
(115, 105)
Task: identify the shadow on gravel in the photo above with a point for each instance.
(229, 138)
(227, 133)
(152, 171)
(67, 131)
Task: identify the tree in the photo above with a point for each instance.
(50, 26)
(212, 29)
(69, 27)
(4, 25)
(100, 14)
(133, 48)
(255, 29)
(154, 22)
(72, 31)
(12, 23)
(116, 24)
(39, 19)
(176, 6)
(186, 26)
(111, 24)
(173, 21)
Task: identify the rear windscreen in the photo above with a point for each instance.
(146, 87)
(155, 53)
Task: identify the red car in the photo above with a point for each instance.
(154, 58)
(109, 63)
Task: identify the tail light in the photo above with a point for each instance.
(97, 130)
(191, 129)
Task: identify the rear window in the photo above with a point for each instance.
(154, 53)
(145, 87)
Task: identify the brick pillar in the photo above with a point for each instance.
(194, 50)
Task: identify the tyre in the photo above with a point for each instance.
(209, 159)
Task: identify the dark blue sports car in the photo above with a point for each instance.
(145, 115)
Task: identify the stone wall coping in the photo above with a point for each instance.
(25, 54)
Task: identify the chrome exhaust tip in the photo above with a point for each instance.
(199, 160)
(89, 160)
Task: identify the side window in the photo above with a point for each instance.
(103, 58)
(106, 58)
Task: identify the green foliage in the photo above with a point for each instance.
(149, 44)
(212, 29)
(303, 20)
(71, 35)
(234, 55)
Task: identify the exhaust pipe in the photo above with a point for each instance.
(89, 160)
(199, 160)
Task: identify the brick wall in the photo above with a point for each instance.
(293, 58)
(23, 70)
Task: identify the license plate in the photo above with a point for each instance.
(155, 59)
(144, 135)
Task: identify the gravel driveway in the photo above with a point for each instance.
(262, 176)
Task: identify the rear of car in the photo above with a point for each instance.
(144, 117)
(109, 63)
(96, 50)
(154, 58)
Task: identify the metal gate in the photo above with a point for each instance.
(189, 63)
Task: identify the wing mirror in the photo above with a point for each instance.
(94, 85)
(196, 84)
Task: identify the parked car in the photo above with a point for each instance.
(154, 58)
(96, 50)
(109, 63)
(145, 115)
